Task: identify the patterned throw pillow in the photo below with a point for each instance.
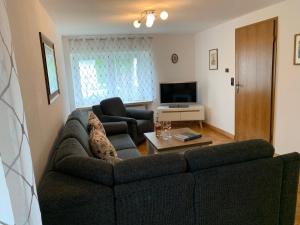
(102, 148)
(94, 122)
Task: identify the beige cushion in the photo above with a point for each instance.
(102, 148)
(94, 122)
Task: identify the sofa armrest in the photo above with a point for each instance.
(112, 128)
(88, 168)
(140, 114)
(65, 199)
(97, 110)
(148, 167)
(132, 124)
(290, 180)
(106, 119)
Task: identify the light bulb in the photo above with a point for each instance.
(164, 15)
(150, 20)
(137, 24)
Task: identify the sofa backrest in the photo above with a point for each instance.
(289, 188)
(149, 167)
(71, 158)
(238, 183)
(113, 107)
(220, 155)
(73, 155)
(80, 115)
(245, 193)
(74, 129)
(154, 190)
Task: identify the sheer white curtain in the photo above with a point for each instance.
(6, 214)
(104, 67)
(14, 145)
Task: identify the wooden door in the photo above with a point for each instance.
(255, 76)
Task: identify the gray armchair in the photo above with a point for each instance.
(138, 121)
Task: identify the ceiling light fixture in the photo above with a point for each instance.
(164, 15)
(149, 17)
(137, 24)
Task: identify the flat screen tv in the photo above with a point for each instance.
(178, 92)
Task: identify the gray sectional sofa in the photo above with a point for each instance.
(232, 184)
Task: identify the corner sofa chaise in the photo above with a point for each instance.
(233, 184)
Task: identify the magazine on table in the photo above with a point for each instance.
(187, 136)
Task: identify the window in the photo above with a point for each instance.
(110, 67)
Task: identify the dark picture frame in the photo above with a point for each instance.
(50, 68)
(297, 49)
(213, 59)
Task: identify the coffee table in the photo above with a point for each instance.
(159, 145)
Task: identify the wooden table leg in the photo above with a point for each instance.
(150, 148)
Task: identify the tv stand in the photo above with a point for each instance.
(178, 106)
(190, 113)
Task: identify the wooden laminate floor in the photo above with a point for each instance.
(218, 138)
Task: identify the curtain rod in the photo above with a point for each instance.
(103, 38)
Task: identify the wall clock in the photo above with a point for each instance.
(174, 58)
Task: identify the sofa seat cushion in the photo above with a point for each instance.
(129, 153)
(121, 141)
(144, 126)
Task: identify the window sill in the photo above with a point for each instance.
(138, 103)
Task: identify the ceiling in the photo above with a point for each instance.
(87, 17)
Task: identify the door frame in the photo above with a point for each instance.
(274, 71)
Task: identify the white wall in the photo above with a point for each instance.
(216, 92)
(27, 19)
(164, 46)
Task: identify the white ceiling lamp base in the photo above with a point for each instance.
(164, 15)
(149, 17)
(137, 24)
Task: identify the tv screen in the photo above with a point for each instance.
(178, 92)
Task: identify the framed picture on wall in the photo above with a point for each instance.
(213, 59)
(297, 50)
(50, 69)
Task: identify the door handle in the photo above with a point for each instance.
(238, 86)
